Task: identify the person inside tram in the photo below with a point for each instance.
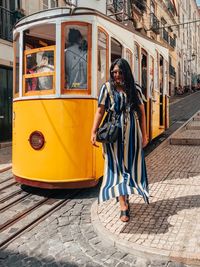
(32, 83)
(144, 76)
(46, 65)
(76, 61)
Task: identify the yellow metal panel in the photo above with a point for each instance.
(67, 154)
(156, 129)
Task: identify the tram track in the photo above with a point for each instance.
(10, 196)
(6, 180)
(14, 202)
(7, 186)
(28, 218)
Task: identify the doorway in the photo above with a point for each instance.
(6, 88)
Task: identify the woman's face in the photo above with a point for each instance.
(117, 74)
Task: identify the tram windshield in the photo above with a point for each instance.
(39, 51)
(76, 56)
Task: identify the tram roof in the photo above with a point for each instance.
(78, 11)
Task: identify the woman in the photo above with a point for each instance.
(125, 170)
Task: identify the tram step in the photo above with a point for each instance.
(186, 137)
(193, 125)
(197, 118)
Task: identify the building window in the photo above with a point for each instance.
(49, 4)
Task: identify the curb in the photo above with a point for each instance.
(111, 239)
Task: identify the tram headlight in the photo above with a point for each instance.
(36, 140)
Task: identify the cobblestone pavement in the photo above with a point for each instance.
(67, 238)
(170, 225)
(5, 158)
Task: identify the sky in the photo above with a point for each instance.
(198, 2)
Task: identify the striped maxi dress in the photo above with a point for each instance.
(124, 167)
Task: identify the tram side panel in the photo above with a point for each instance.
(67, 155)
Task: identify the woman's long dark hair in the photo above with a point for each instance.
(129, 83)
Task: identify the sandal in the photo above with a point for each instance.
(126, 214)
(127, 202)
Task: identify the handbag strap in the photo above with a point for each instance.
(111, 96)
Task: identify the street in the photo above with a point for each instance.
(67, 236)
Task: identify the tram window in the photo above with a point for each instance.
(40, 36)
(129, 57)
(39, 51)
(39, 63)
(116, 50)
(151, 76)
(102, 58)
(136, 63)
(16, 66)
(76, 56)
(144, 73)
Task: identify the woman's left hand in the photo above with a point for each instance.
(144, 141)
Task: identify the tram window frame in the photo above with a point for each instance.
(115, 42)
(136, 45)
(152, 76)
(129, 54)
(83, 91)
(144, 90)
(38, 75)
(156, 77)
(16, 69)
(102, 31)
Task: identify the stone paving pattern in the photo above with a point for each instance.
(171, 223)
(67, 237)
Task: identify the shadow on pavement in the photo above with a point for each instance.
(153, 218)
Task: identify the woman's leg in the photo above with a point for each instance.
(124, 216)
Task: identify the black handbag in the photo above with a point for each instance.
(109, 130)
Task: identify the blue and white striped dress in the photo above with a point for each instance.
(124, 168)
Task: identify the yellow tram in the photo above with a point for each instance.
(62, 56)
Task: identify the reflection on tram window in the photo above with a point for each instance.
(76, 57)
(40, 36)
(46, 65)
(40, 62)
(31, 68)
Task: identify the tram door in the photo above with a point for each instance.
(152, 96)
(116, 50)
(161, 85)
(144, 84)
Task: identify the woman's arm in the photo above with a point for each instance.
(143, 125)
(97, 120)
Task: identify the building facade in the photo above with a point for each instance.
(188, 45)
(9, 14)
(162, 20)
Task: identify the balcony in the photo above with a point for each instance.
(7, 21)
(172, 42)
(172, 71)
(140, 5)
(165, 35)
(154, 23)
(170, 7)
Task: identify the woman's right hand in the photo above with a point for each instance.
(93, 139)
